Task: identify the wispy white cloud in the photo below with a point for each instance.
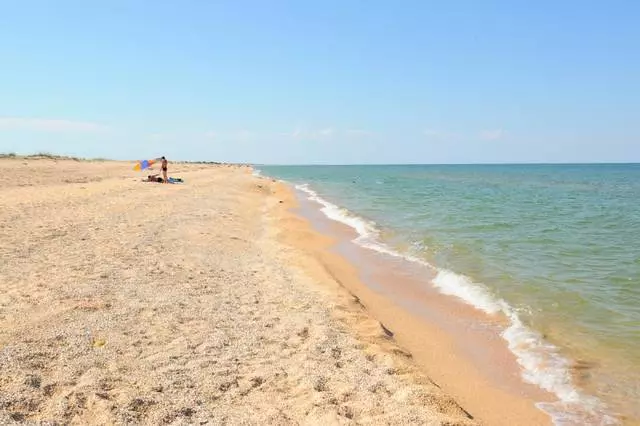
(49, 125)
(237, 135)
(158, 137)
(492, 135)
(486, 135)
(438, 134)
(299, 133)
(358, 132)
(242, 135)
(431, 132)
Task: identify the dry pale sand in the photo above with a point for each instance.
(124, 302)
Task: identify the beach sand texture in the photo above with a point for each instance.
(123, 302)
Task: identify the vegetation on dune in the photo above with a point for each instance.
(50, 156)
(47, 156)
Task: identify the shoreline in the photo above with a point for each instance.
(556, 399)
(441, 358)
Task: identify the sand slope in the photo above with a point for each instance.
(129, 302)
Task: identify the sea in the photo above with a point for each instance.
(555, 248)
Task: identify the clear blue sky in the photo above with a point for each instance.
(323, 81)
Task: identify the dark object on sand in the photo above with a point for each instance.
(156, 178)
(153, 178)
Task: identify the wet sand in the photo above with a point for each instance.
(202, 303)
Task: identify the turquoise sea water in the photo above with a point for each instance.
(558, 244)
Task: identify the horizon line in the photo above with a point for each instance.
(448, 164)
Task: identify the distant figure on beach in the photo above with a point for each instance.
(154, 178)
(164, 169)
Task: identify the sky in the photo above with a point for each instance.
(322, 82)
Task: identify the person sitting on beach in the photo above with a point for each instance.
(153, 178)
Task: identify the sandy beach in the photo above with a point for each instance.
(125, 302)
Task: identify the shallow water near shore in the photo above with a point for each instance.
(552, 247)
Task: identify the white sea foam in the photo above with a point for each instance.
(542, 363)
(364, 228)
(463, 288)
